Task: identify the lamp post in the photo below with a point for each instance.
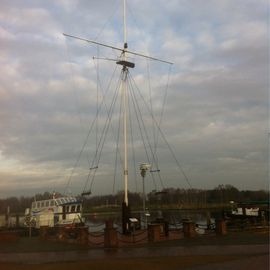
(143, 168)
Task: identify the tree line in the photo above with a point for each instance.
(169, 197)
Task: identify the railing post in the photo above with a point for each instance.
(110, 235)
(153, 232)
(189, 229)
(43, 232)
(221, 228)
(83, 235)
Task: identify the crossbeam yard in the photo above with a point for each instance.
(118, 49)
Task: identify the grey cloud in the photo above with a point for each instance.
(216, 112)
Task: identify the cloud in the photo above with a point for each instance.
(216, 111)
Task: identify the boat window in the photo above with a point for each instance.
(73, 208)
(51, 203)
(58, 201)
(67, 208)
(42, 204)
(62, 200)
(47, 203)
(38, 205)
(78, 208)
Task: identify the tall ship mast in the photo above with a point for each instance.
(123, 61)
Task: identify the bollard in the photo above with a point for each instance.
(221, 228)
(17, 221)
(263, 219)
(166, 229)
(7, 217)
(110, 235)
(62, 233)
(208, 218)
(153, 232)
(43, 232)
(83, 235)
(189, 229)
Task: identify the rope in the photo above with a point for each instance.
(97, 101)
(98, 225)
(154, 158)
(108, 113)
(133, 149)
(109, 18)
(104, 133)
(153, 153)
(140, 233)
(117, 144)
(160, 119)
(85, 142)
(96, 235)
(96, 243)
(133, 240)
(164, 138)
(175, 231)
(141, 126)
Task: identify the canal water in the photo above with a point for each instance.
(175, 218)
(96, 221)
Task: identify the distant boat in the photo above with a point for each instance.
(250, 209)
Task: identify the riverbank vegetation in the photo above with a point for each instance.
(170, 198)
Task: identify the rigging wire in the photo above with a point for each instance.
(164, 138)
(79, 112)
(109, 19)
(164, 101)
(154, 159)
(86, 139)
(150, 100)
(97, 101)
(108, 115)
(162, 112)
(140, 125)
(133, 150)
(132, 147)
(117, 145)
(105, 132)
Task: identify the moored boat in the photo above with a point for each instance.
(62, 211)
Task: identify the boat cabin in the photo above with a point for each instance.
(54, 212)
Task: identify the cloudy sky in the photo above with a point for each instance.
(216, 107)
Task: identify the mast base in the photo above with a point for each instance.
(125, 218)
